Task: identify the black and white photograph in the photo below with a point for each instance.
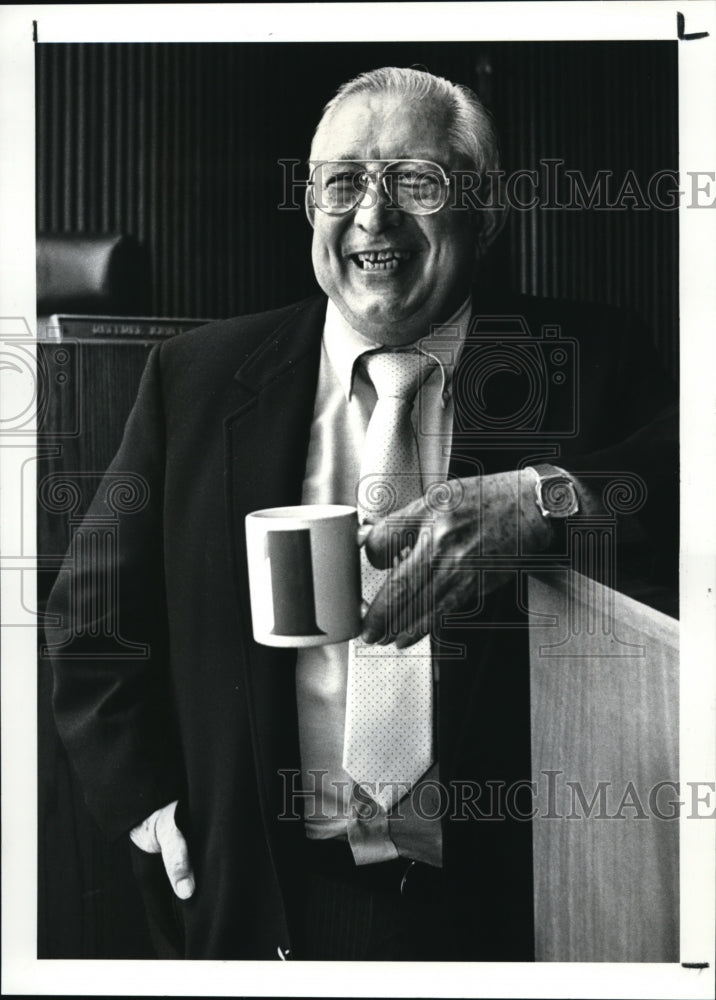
(361, 436)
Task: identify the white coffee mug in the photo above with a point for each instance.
(304, 574)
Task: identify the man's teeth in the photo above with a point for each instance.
(381, 260)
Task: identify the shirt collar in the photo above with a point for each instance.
(344, 345)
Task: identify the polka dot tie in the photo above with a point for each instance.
(389, 707)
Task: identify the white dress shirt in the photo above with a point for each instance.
(345, 398)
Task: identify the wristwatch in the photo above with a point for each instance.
(555, 493)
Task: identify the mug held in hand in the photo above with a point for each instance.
(304, 574)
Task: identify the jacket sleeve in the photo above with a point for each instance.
(108, 643)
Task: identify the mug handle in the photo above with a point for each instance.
(363, 531)
(362, 534)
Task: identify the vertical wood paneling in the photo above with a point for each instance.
(180, 146)
(596, 106)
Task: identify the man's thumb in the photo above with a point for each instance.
(175, 854)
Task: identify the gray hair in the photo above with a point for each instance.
(469, 125)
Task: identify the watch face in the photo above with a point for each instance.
(557, 497)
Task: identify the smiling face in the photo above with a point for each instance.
(389, 273)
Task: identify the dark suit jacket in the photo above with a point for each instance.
(160, 691)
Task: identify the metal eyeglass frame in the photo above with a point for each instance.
(376, 176)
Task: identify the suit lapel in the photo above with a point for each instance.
(267, 433)
(266, 440)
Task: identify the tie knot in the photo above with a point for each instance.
(397, 374)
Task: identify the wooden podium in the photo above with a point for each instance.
(605, 709)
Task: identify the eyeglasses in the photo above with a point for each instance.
(419, 187)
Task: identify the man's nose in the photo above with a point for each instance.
(374, 213)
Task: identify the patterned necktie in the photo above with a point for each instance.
(389, 706)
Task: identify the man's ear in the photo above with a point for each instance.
(310, 204)
(487, 225)
(477, 228)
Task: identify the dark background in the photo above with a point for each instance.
(179, 146)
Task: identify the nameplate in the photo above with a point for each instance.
(118, 328)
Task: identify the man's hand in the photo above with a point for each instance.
(446, 541)
(159, 834)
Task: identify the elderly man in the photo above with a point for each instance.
(239, 768)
